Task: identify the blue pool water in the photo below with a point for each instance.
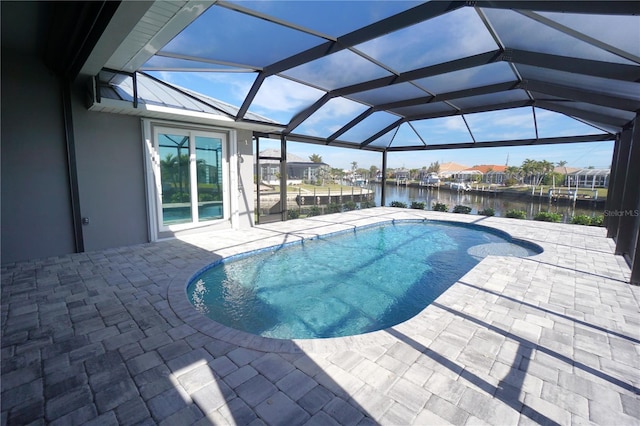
(345, 284)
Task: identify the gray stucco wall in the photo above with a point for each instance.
(111, 177)
(36, 205)
(36, 208)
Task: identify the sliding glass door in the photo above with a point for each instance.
(174, 175)
(191, 176)
(209, 177)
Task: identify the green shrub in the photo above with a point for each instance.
(597, 221)
(517, 214)
(548, 217)
(293, 214)
(461, 209)
(349, 205)
(487, 212)
(398, 204)
(510, 182)
(367, 204)
(440, 207)
(334, 208)
(314, 211)
(180, 197)
(418, 205)
(205, 197)
(581, 219)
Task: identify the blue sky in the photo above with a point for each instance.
(281, 99)
(596, 154)
(238, 42)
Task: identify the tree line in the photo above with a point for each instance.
(532, 172)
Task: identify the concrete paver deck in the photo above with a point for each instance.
(109, 337)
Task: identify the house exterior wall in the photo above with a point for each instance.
(36, 205)
(584, 180)
(110, 177)
(36, 215)
(494, 177)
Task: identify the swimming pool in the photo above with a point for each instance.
(347, 283)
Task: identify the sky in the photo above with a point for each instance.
(239, 42)
(280, 102)
(582, 155)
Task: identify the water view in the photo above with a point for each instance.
(477, 202)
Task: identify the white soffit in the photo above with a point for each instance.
(126, 18)
(161, 23)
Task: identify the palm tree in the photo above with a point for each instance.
(562, 164)
(513, 172)
(546, 166)
(174, 169)
(528, 167)
(337, 173)
(315, 158)
(434, 167)
(323, 173)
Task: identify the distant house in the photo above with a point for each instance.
(467, 175)
(450, 170)
(565, 170)
(298, 169)
(428, 178)
(402, 175)
(492, 173)
(588, 178)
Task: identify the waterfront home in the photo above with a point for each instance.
(588, 178)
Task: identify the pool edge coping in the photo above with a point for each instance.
(185, 311)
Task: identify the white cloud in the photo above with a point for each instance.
(454, 123)
(282, 95)
(453, 35)
(330, 117)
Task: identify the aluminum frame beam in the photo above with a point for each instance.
(396, 22)
(580, 36)
(579, 95)
(567, 6)
(382, 132)
(590, 67)
(473, 110)
(417, 74)
(518, 142)
(351, 124)
(451, 66)
(422, 12)
(451, 96)
(585, 115)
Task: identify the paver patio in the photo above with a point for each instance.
(108, 337)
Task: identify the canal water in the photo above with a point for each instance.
(477, 202)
